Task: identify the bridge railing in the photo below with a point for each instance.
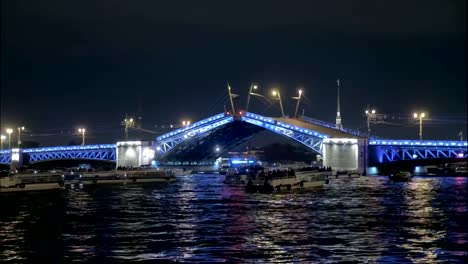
(330, 125)
(192, 126)
(69, 148)
(285, 125)
(409, 143)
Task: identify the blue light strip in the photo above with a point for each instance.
(310, 141)
(169, 143)
(192, 126)
(288, 126)
(434, 143)
(68, 148)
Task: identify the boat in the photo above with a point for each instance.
(127, 177)
(277, 180)
(400, 176)
(31, 182)
(347, 173)
(233, 177)
(180, 172)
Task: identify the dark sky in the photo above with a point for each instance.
(86, 63)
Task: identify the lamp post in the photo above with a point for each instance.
(298, 101)
(128, 122)
(2, 138)
(82, 131)
(420, 116)
(252, 87)
(9, 131)
(277, 93)
(19, 135)
(370, 116)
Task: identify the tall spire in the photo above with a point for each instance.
(338, 116)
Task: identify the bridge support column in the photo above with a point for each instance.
(345, 154)
(16, 159)
(134, 153)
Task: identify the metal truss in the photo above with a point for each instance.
(101, 154)
(5, 157)
(168, 141)
(184, 130)
(310, 139)
(93, 152)
(390, 153)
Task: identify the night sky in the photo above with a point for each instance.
(67, 64)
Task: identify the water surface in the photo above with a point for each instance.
(200, 220)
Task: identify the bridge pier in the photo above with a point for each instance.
(16, 159)
(134, 153)
(345, 154)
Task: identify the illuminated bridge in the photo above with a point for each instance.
(199, 140)
(207, 139)
(105, 152)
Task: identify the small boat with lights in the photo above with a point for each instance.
(287, 180)
(400, 176)
(233, 177)
(31, 182)
(127, 177)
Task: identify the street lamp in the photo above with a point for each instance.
(128, 122)
(370, 116)
(276, 92)
(9, 131)
(298, 101)
(19, 134)
(82, 131)
(252, 87)
(420, 116)
(2, 138)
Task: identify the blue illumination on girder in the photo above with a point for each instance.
(192, 126)
(168, 141)
(391, 153)
(70, 148)
(310, 139)
(285, 125)
(390, 142)
(94, 152)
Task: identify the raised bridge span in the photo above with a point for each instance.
(198, 140)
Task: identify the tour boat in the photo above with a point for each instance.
(127, 177)
(288, 180)
(31, 182)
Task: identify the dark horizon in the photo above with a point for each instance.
(66, 66)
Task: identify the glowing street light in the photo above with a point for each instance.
(19, 134)
(2, 138)
(185, 123)
(82, 131)
(252, 87)
(128, 122)
(275, 93)
(420, 116)
(371, 115)
(9, 131)
(217, 149)
(298, 98)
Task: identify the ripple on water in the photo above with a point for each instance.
(200, 220)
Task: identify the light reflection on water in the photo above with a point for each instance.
(200, 220)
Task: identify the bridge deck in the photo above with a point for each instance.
(334, 133)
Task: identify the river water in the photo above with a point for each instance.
(198, 219)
